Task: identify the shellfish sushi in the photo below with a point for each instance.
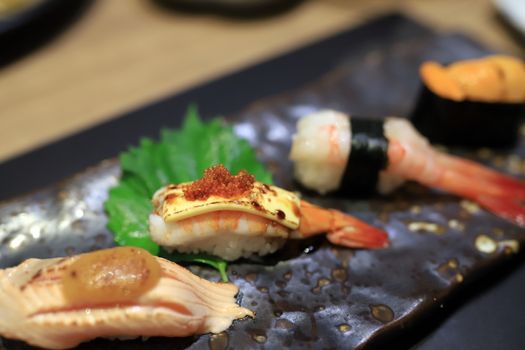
(235, 216)
(478, 102)
(120, 292)
(333, 152)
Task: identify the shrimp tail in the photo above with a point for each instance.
(506, 208)
(412, 157)
(494, 191)
(504, 184)
(358, 238)
(341, 228)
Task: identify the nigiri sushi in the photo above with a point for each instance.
(236, 216)
(120, 292)
(487, 94)
(331, 151)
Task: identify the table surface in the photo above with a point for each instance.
(122, 54)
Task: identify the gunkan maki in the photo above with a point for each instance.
(475, 103)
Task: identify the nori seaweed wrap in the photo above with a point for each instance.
(367, 158)
(334, 152)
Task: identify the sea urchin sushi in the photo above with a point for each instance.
(477, 102)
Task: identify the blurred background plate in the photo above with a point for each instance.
(25, 25)
(239, 8)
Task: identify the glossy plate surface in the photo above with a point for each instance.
(329, 297)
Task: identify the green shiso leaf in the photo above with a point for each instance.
(179, 156)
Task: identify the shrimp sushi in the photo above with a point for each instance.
(486, 94)
(333, 152)
(120, 292)
(235, 216)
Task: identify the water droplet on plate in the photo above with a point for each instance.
(425, 226)
(343, 327)
(323, 282)
(416, 209)
(219, 341)
(263, 290)
(456, 225)
(485, 244)
(382, 313)
(339, 274)
(449, 270)
(285, 324)
(259, 338)
(470, 207)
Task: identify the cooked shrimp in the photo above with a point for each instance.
(340, 228)
(257, 220)
(412, 157)
(383, 154)
(325, 143)
(120, 292)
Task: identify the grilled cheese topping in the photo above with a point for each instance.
(263, 200)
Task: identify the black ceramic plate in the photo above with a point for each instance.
(331, 297)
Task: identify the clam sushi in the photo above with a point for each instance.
(120, 292)
(478, 102)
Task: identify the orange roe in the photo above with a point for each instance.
(218, 181)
